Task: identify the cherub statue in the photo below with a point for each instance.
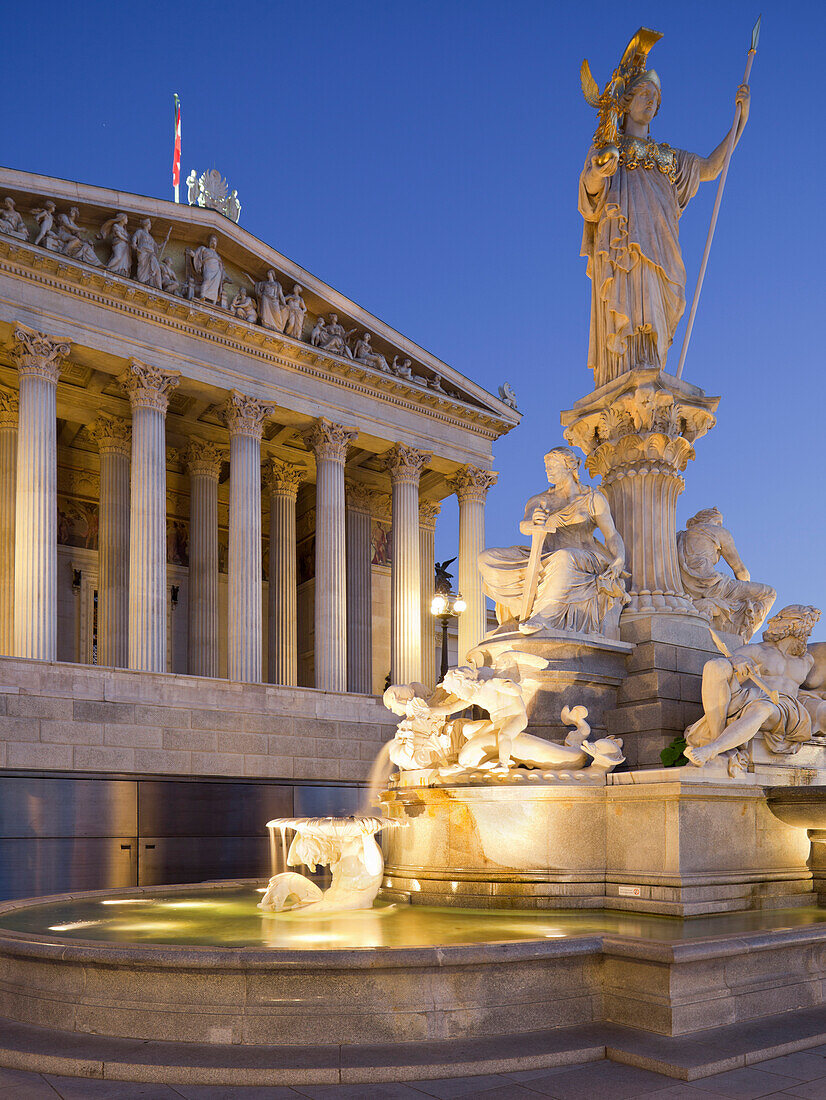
(756, 689)
(736, 604)
(578, 580)
(632, 192)
(11, 223)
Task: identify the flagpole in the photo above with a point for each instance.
(755, 35)
(176, 149)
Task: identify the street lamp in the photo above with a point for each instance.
(445, 606)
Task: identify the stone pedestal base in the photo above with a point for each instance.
(583, 669)
(671, 841)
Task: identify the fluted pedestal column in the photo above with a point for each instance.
(471, 486)
(148, 389)
(38, 358)
(245, 418)
(113, 436)
(359, 588)
(8, 492)
(428, 511)
(405, 465)
(203, 462)
(329, 443)
(638, 435)
(282, 480)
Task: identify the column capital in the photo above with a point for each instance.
(203, 458)
(428, 511)
(35, 353)
(358, 497)
(329, 440)
(148, 387)
(405, 464)
(283, 477)
(246, 415)
(470, 483)
(9, 408)
(113, 435)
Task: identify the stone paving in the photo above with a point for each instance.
(794, 1075)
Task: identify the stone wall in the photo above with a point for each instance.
(62, 717)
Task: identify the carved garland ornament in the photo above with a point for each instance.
(149, 387)
(328, 440)
(471, 484)
(37, 354)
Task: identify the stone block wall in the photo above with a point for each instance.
(62, 717)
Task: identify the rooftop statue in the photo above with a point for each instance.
(566, 579)
(211, 191)
(756, 689)
(632, 192)
(736, 604)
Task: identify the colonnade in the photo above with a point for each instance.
(132, 595)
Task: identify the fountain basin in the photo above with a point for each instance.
(803, 807)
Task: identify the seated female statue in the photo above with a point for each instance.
(580, 586)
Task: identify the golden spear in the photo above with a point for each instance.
(755, 35)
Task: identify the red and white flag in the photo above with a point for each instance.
(176, 155)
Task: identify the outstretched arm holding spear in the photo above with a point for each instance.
(717, 164)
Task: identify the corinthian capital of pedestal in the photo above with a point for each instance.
(149, 387)
(283, 477)
(9, 408)
(246, 415)
(329, 440)
(405, 464)
(203, 458)
(358, 497)
(645, 418)
(35, 353)
(428, 511)
(113, 435)
(470, 483)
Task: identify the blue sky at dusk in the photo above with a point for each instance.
(423, 158)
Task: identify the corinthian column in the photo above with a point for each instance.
(329, 443)
(471, 487)
(148, 389)
(428, 511)
(203, 462)
(245, 418)
(8, 479)
(405, 465)
(113, 436)
(358, 500)
(38, 358)
(638, 435)
(282, 480)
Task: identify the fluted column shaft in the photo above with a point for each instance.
(38, 359)
(471, 485)
(359, 588)
(283, 480)
(8, 493)
(428, 511)
(203, 460)
(148, 389)
(405, 465)
(329, 442)
(245, 418)
(114, 439)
